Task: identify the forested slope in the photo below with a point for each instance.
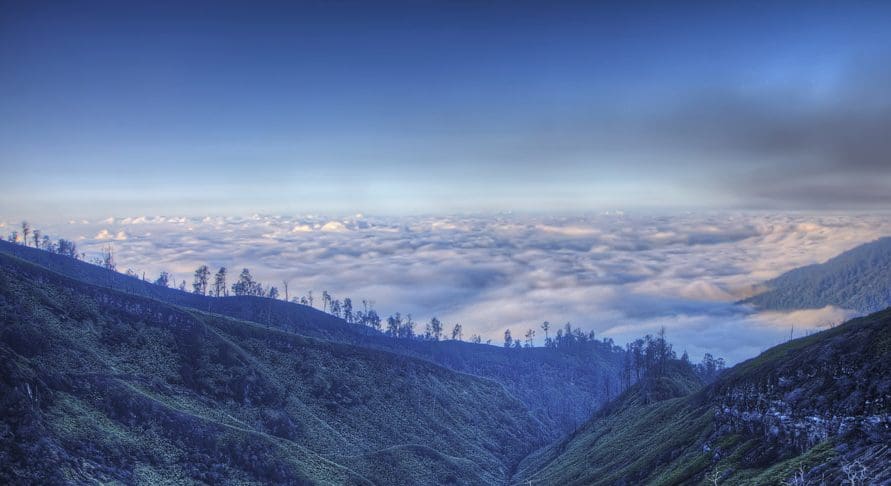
(858, 279)
(100, 385)
(560, 387)
(816, 410)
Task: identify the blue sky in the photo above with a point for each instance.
(125, 108)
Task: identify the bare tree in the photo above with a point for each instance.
(799, 478)
(107, 261)
(856, 474)
(26, 230)
(530, 336)
(545, 326)
(326, 300)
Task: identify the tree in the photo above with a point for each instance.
(336, 308)
(107, 258)
(434, 329)
(347, 308)
(26, 231)
(182, 285)
(272, 293)
(326, 300)
(67, 248)
(457, 333)
(13, 237)
(394, 322)
(373, 320)
(37, 238)
(530, 336)
(47, 244)
(407, 329)
(545, 326)
(202, 275)
(285, 286)
(626, 367)
(309, 297)
(219, 283)
(163, 279)
(637, 357)
(476, 339)
(508, 340)
(246, 285)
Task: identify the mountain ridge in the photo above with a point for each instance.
(535, 376)
(858, 279)
(810, 409)
(93, 377)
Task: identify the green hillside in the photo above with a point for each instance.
(104, 386)
(561, 389)
(814, 409)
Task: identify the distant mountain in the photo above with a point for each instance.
(816, 410)
(858, 279)
(561, 389)
(99, 385)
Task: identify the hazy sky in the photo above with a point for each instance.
(223, 108)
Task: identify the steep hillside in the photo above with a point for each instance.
(815, 409)
(100, 386)
(561, 389)
(858, 279)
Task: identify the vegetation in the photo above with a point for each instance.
(811, 411)
(857, 279)
(105, 386)
(561, 384)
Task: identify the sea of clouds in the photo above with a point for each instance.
(622, 275)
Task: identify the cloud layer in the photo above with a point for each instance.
(621, 275)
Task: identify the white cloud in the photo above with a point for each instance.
(619, 274)
(334, 227)
(104, 235)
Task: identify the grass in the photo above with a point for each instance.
(133, 390)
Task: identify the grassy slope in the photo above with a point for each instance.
(102, 385)
(561, 390)
(845, 370)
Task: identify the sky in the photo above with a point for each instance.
(425, 107)
(618, 165)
